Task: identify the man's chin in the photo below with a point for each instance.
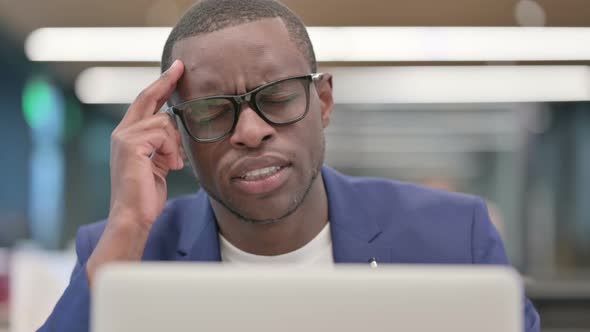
(269, 217)
(261, 221)
(266, 209)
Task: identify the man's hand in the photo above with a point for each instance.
(145, 146)
(138, 182)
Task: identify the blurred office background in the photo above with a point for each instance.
(485, 97)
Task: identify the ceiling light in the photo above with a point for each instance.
(96, 44)
(384, 85)
(372, 44)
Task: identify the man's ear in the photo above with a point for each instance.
(324, 87)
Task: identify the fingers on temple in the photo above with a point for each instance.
(151, 99)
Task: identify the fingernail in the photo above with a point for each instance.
(172, 65)
(180, 163)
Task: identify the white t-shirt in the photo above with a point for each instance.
(318, 252)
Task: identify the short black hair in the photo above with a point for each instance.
(211, 15)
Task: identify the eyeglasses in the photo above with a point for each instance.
(279, 103)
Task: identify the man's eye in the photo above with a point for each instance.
(211, 114)
(213, 117)
(278, 98)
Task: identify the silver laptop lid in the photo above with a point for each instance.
(156, 297)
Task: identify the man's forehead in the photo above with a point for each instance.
(200, 82)
(257, 52)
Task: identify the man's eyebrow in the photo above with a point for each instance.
(210, 88)
(207, 86)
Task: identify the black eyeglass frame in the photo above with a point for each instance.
(250, 99)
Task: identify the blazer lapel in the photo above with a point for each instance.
(354, 229)
(198, 235)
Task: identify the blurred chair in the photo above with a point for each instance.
(37, 280)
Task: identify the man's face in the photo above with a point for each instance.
(260, 172)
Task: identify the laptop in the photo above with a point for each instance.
(156, 297)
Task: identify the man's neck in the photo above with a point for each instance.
(282, 236)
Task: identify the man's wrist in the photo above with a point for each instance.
(122, 220)
(124, 239)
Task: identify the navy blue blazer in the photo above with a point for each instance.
(391, 221)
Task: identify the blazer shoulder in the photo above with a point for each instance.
(163, 235)
(400, 204)
(434, 225)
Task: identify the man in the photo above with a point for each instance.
(250, 111)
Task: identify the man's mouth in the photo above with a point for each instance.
(262, 173)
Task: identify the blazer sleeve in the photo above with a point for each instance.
(488, 248)
(72, 311)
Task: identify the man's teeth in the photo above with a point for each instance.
(261, 173)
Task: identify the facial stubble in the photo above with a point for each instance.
(296, 202)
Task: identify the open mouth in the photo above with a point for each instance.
(262, 181)
(262, 173)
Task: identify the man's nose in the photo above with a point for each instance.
(251, 130)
